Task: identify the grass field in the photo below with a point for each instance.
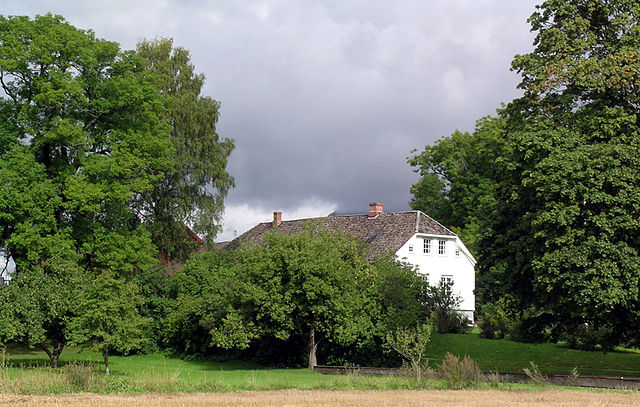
(335, 398)
(23, 371)
(507, 356)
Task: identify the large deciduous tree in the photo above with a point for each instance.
(566, 234)
(83, 137)
(314, 285)
(191, 194)
(458, 178)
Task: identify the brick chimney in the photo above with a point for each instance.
(277, 219)
(375, 209)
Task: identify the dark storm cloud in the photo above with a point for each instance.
(325, 100)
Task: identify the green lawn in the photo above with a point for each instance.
(507, 356)
(81, 370)
(23, 371)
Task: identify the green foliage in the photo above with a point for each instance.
(108, 316)
(84, 123)
(442, 302)
(159, 292)
(494, 323)
(193, 192)
(208, 286)
(314, 285)
(83, 137)
(458, 178)
(411, 344)
(38, 306)
(400, 293)
(563, 247)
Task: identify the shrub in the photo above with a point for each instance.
(458, 323)
(458, 373)
(494, 323)
(590, 337)
(535, 375)
(411, 344)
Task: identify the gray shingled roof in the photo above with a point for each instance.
(384, 233)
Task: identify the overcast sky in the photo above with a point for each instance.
(326, 99)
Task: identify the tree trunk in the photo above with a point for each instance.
(105, 355)
(53, 354)
(313, 346)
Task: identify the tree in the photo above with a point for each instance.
(400, 294)
(411, 344)
(323, 277)
(193, 192)
(37, 307)
(313, 285)
(458, 178)
(108, 316)
(442, 302)
(563, 251)
(83, 137)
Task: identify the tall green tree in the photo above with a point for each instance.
(193, 192)
(83, 136)
(458, 178)
(89, 120)
(565, 237)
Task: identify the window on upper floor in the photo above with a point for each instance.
(426, 246)
(410, 248)
(442, 247)
(457, 252)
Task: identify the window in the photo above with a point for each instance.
(410, 248)
(457, 252)
(447, 282)
(442, 247)
(426, 247)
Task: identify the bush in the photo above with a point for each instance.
(442, 302)
(494, 323)
(458, 373)
(458, 323)
(535, 375)
(589, 337)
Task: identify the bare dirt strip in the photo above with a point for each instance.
(335, 398)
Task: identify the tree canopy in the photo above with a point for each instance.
(547, 194)
(564, 243)
(83, 136)
(458, 178)
(192, 193)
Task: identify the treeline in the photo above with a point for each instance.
(547, 193)
(300, 298)
(105, 155)
(295, 300)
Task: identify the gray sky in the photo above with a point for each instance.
(326, 99)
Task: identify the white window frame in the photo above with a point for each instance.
(457, 252)
(442, 247)
(426, 245)
(410, 248)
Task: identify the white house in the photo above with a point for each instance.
(413, 236)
